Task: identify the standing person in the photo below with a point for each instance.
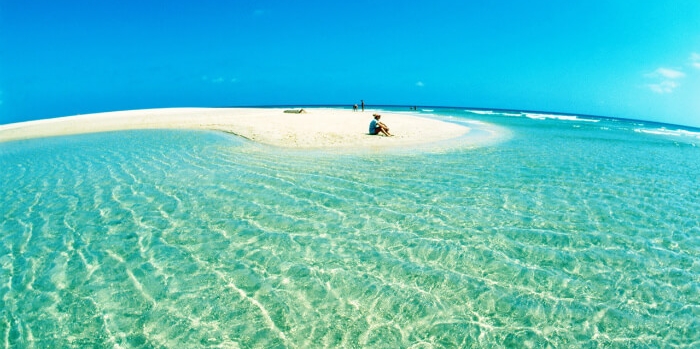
(363, 104)
(376, 127)
(354, 107)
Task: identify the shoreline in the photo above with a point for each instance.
(316, 128)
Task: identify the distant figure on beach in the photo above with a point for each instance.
(354, 107)
(376, 127)
(363, 104)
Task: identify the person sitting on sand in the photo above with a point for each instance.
(376, 127)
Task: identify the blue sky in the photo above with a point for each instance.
(629, 59)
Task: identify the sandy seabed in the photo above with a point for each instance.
(315, 128)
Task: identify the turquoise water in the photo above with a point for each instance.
(570, 233)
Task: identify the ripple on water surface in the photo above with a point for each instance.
(198, 239)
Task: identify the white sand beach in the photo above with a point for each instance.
(315, 128)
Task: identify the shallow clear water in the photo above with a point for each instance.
(571, 233)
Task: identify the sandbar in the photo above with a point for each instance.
(316, 128)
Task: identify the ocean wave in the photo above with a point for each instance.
(481, 112)
(491, 112)
(667, 132)
(539, 116)
(536, 116)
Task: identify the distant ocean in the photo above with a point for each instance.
(575, 231)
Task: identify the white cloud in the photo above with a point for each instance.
(667, 73)
(695, 60)
(420, 84)
(662, 87)
(665, 80)
(218, 80)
